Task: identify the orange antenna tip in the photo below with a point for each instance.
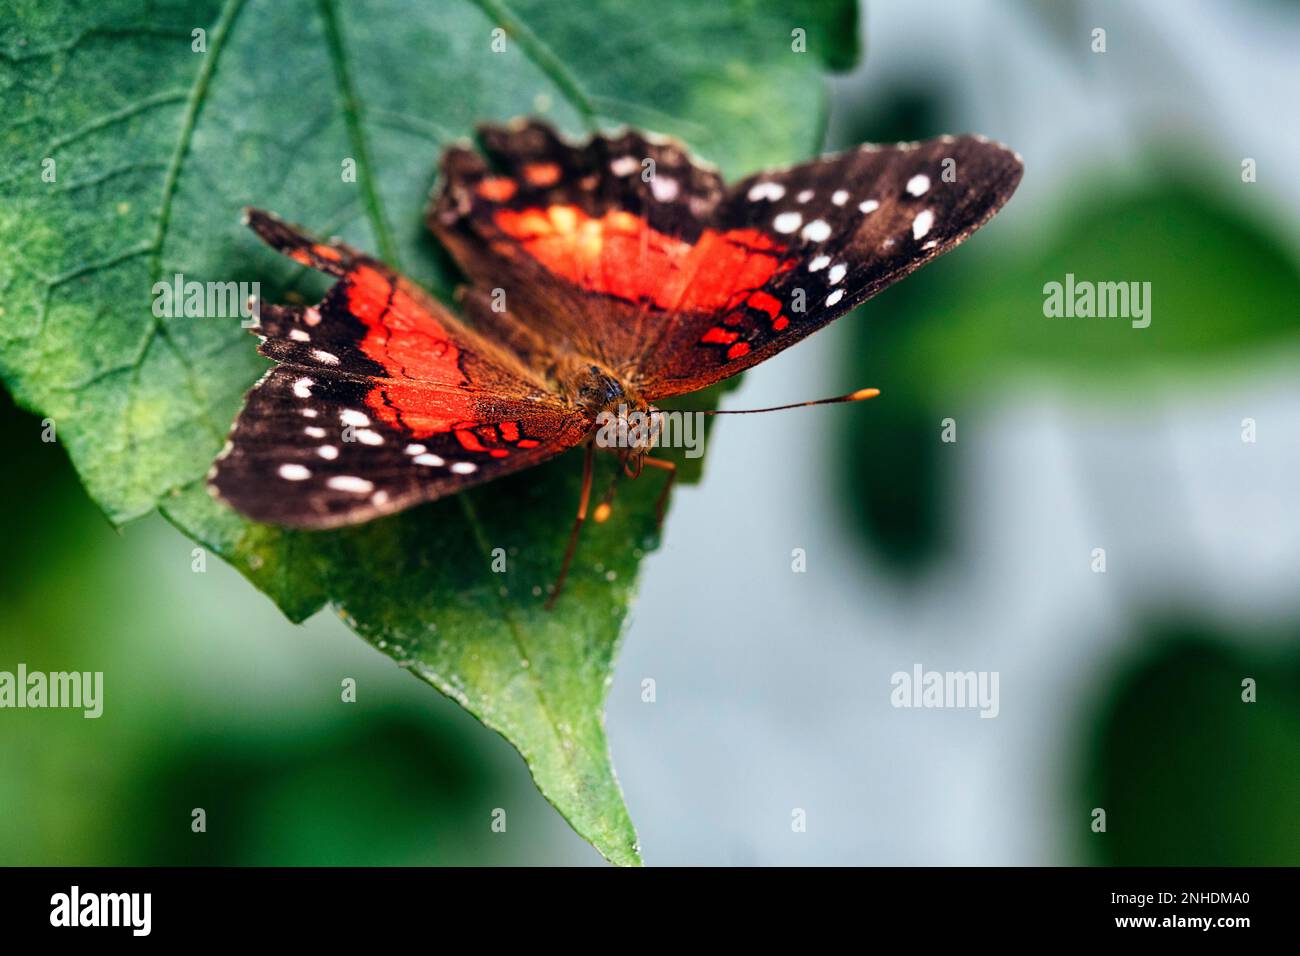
(857, 396)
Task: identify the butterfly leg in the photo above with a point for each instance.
(583, 498)
(671, 468)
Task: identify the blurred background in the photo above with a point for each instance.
(1119, 690)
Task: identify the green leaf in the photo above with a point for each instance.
(158, 135)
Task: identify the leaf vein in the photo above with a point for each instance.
(194, 104)
(542, 56)
(354, 120)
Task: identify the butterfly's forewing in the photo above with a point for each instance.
(382, 399)
(839, 230)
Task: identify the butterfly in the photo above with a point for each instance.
(616, 272)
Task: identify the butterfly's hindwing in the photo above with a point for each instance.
(849, 225)
(381, 399)
(306, 451)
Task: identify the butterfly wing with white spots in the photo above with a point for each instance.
(381, 399)
(838, 230)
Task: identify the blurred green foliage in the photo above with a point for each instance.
(1188, 773)
(1224, 290)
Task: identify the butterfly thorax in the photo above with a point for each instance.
(595, 389)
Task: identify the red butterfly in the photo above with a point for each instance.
(617, 272)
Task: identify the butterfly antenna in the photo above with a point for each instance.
(860, 395)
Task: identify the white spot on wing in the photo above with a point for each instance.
(804, 196)
(329, 358)
(314, 432)
(298, 335)
(766, 190)
(787, 222)
(869, 206)
(350, 417)
(835, 297)
(624, 165)
(351, 483)
(414, 449)
(328, 452)
(819, 263)
(426, 459)
(302, 388)
(922, 223)
(837, 273)
(464, 467)
(367, 437)
(294, 472)
(819, 230)
(664, 188)
(840, 197)
(918, 184)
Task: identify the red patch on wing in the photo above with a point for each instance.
(542, 174)
(404, 336)
(766, 303)
(622, 255)
(719, 336)
(497, 188)
(316, 255)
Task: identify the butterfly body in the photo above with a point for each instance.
(602, 277)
